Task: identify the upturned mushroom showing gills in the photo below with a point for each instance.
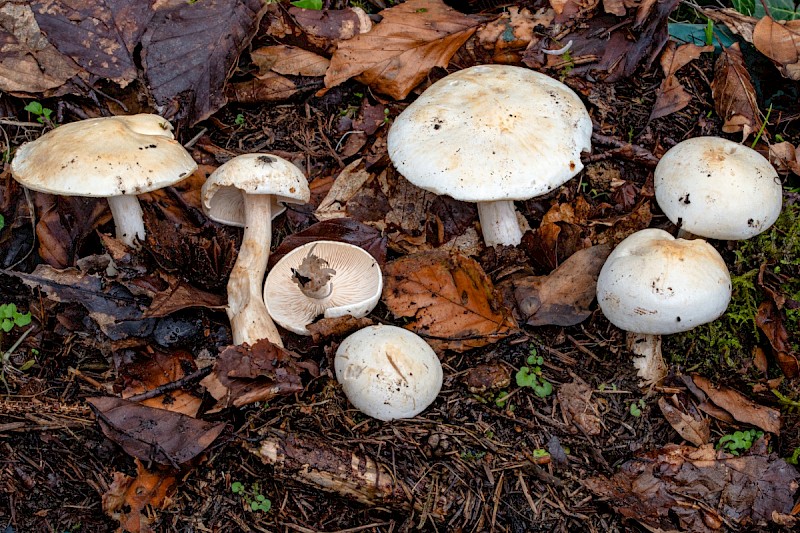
(653, 284)
(322, 278)
(718, 189)
(492, 134)
(111, 157)
(388, 372)
(248, 191)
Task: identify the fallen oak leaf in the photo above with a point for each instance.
(447, 298)
(126, 497)
(770, 321)
(785, 156)
(672, 96)
(151, 434)
(687, 421)
(740, 407)
(289, 61)
(246, 374)
(734, 94)
(780, 41)
(397, 53)
(147, 371)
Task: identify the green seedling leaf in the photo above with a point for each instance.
(237, 487)
(525, 378)
(316, 5)
(635, 410)
(538, 453)
(7, 325)
(34, 107)
(27, 365)
(544, 390)
(2, 222)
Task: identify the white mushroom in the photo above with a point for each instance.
(245, 191)
(112, 157)
(492, 134)
(653, 284)
(325, 278)
(388, 372)
(716, 188)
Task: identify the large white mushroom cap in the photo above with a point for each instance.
(267, 174)
(491, 132)
(104, 157)
(388, 372)
(354, 289)
(655, 284)
(718, 189)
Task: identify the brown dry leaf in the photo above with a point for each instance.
(686, 420)
(29, 63)
(247, 374)
(504, 39)
(397, 54)
(64, 223)
(345, 186)
(780, 41)
(770, 320)
(337, 326)
(614, 7)
(739, 406)
(487, 377)
(785, 156)
(736, 22)
(575, 399)
(325, 28)
(151, 434)
(268, 87)
(289, 61)
(126, 497)
(672, 96)
(447, 298)
(734, 94)
(149, 370)
(622, 226)
(564, 297)
(682, 488)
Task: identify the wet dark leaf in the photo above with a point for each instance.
(487, 377)
(339, 326)
(151, 434)
(770, 321)
(740, 407)
(734, 94)
(672, 96)
(246, 374)
(686, 420)
(64, 223)
(145, 371)
(681, 488)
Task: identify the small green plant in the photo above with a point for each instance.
(636, 407)
(794, 459)
(470, 455)
(740, 441)
(42, 113)
(709, 31)
(501, 401)
(253, 498)
(531, 375)
(239, 120)
(539, 453)
(2, 222)
(316, 5)
(569, 64)
(10, 317)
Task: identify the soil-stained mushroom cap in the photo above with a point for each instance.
(388, 372)
(491, 132)
(354, 289)
(104, 157)
(655, 284)
(716, 188)
(252, 174)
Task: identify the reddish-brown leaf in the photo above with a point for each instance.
(780, 41)
(268, 87)
(397, 54)
(576, 402)
(126, 497)
(770, 320)
(734, 94)
(64, 223)
(686, 420)
(739, 406)
(151, 434)
(149, 370)
(672, 96)
(447, 298)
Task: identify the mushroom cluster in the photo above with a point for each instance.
(492, 134)
(111, 157)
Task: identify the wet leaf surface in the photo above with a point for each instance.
(682, 488)
(63, 225)
(739, 406)
(447, 299)
(127, 497)
(734, 94)
(770, 321)
(151, 434)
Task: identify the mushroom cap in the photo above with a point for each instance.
(718, 189)
(491, 132)
(103, 157)
(252, 174)
(388, 372)
(656, 284)
(356, 286)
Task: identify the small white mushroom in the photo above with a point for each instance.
(111, 157)
(246, 191)
(322, 278)
(388, 372)
(653, 284)
(718, 189)
(492, 134)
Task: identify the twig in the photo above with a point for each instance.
(171, 386)
(633, 152)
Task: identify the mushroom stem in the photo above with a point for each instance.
(128, 220)
(250, 321)
(648, 360)
(499, 223)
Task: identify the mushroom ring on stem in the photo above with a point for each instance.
(111, 157)
(718, 189)
(248, 191)
(327, 278)
(492, 134)
(653, 284)
(388, 372)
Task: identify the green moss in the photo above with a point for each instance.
(730, 340)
